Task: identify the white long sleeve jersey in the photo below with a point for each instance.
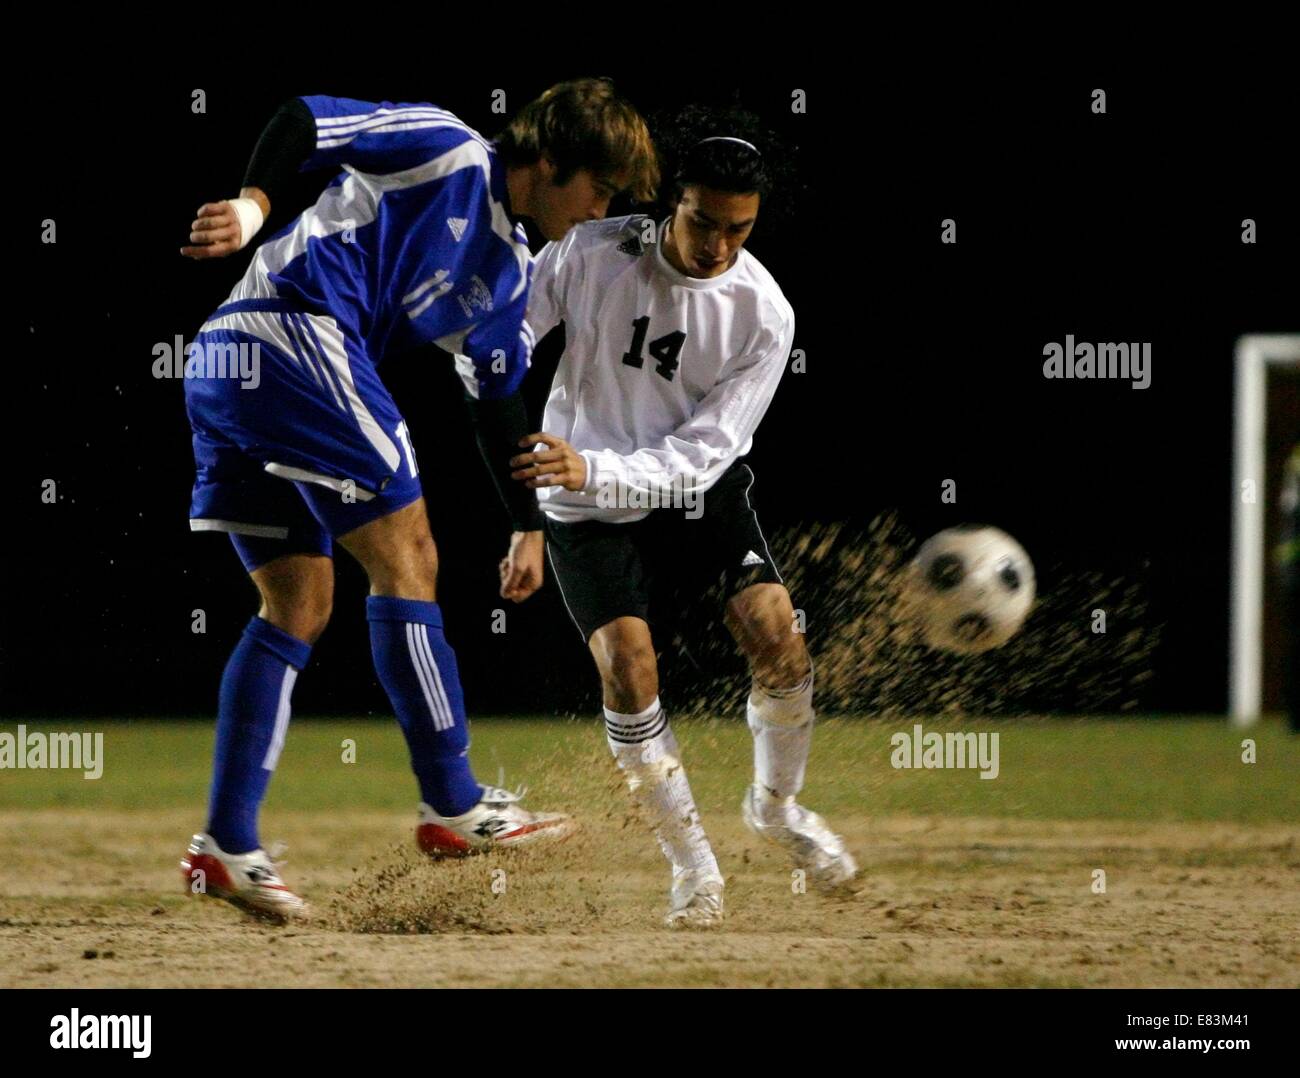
(664, 377)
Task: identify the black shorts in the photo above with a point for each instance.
(607, 571)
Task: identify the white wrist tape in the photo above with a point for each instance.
(250, 217)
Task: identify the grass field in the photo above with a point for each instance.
(965, 881)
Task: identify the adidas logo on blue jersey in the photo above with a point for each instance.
(457, 226)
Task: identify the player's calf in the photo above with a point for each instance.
(780, 715)
(418, 670)
(647, 753)
(782, 724)
(762, 620)
(779, 709)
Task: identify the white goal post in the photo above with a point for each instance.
(1250, 516)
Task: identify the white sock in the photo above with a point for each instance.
(781, 721)
(646, 751)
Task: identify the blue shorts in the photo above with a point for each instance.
(296, 440)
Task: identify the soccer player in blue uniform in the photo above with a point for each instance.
(416, 240)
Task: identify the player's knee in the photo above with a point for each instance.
(410, 571)
(305, 618)
(776, 652)
(423, 558)
(631, 679)
(398, 553)
(316, 610)
(783, 670)
(304, 615)
(308, 623)
(421, 570)
(297, 595)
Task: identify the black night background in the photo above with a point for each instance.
(923, 363)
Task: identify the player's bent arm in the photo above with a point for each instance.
(285, 145)
(222, 228)
(499, 425)
(492, 365)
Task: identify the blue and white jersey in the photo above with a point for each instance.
(410, 244)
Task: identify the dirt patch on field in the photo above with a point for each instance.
(95, 900)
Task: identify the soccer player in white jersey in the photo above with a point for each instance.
(675, 340)
(417, 239)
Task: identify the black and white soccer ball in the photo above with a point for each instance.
(971, 588)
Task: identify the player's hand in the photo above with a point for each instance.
(521, 568)
(215, 233)
(558, 465)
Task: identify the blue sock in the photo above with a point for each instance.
(417, 668)
(252, 718)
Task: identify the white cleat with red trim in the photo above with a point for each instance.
(250, 880)
(497, 820)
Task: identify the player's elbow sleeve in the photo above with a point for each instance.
(288, 140)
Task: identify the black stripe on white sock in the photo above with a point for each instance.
(635, 733)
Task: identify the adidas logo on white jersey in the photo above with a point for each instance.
(751, 559)
(638, 234)
(457, 226)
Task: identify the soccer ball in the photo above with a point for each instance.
(971, 588)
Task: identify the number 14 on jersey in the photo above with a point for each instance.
(664, 349)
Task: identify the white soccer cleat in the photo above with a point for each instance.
(250, 880)
(815, 847)
(497, 820)
(695, 901)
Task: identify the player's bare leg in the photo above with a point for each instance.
(625, 656)
(297, 593)
(647, 752)
(418, 670)
(781, 716)
(398, 553)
